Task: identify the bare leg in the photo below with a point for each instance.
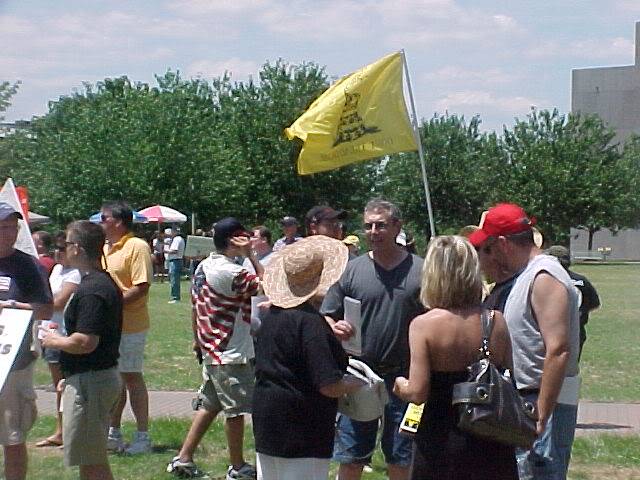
(234, 429)
(350, 471)
(95, 472)
(56, 376)
(396, 472)
(139, 398)
(15, 462)
(199, 426)
(116, 416)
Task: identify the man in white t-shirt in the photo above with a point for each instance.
(221, 297)
(174, 252)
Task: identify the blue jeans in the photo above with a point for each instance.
(549, 457)
(175, 269)
(355, 441)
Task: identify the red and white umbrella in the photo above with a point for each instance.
(162, 214)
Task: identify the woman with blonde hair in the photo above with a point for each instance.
(443, 342)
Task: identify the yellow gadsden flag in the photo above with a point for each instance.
(361, 116)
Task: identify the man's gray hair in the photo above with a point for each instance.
(382, 204)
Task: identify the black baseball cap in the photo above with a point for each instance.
(229, 227)
(288, 221)
(7, 210)
(324, 212)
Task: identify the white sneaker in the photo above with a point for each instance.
(141, 444)
(115, 443)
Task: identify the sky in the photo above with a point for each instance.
(492, 58)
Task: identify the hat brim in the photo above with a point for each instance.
(478, 237)
(276, 284)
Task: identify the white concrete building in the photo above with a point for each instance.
(611, 92)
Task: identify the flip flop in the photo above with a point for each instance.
(49, 442)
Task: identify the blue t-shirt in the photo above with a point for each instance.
(22, 280)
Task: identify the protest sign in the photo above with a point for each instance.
(14, 324)
(199, 246)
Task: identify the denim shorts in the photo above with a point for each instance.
(355, 441)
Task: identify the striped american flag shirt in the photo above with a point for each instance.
(221, 294)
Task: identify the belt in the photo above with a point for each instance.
(528, 391)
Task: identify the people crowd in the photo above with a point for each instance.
(420, 327)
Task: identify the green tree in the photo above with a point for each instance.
(214, 148)
(565, 170)
(7, 90)
(463, 167)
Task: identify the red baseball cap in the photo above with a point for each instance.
(501, 220)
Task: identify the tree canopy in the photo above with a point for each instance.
(216, 148)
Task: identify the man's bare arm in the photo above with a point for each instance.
(135, 292)
(550, 304)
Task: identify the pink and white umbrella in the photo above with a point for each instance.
(162, 214)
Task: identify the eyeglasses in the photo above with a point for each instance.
(60, 248)
(486, 248)
(379, 226)
(67, 243)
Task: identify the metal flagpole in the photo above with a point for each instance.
(416, 133)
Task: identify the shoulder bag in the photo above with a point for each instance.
(489, 404)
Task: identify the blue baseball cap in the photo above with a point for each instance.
(7, 210)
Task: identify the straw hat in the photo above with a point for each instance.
(304, 269)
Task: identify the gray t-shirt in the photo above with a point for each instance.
(527, 344)
(390, 300)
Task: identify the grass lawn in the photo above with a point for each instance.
(594, 458)
(613, 335)
(611, 351)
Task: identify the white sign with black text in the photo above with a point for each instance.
(14, 324)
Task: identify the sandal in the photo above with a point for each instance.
(49, 442)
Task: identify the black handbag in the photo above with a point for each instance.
(489, 404)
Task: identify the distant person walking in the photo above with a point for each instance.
(174, 253)
(221, 297)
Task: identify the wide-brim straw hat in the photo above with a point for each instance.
(303, 269)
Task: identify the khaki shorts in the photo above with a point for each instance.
(87, 403)
(132, 352)
(18, 407)
(226, 388)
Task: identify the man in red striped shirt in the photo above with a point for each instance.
(221, 298)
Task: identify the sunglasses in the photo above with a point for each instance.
(60, 248)
(379, 226)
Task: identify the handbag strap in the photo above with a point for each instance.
(486, 318)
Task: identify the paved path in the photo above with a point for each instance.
(593, 418)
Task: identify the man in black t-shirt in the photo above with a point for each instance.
(22, 286)
(589, 299)
(89, 354)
